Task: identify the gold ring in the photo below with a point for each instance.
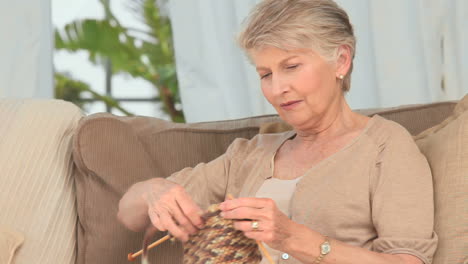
(255, 225)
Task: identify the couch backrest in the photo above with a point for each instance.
(114, 152)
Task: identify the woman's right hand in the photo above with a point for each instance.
(170, 208)
(167, 204)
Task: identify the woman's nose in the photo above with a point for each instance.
(280, 85)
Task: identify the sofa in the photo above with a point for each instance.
(63, 174)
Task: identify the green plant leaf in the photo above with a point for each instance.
(150, 57)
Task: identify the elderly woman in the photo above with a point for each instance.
(339, 188)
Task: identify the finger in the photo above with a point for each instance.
(190, 209)
(181, 219)
(244, 213)
(246, 226)
(154, 217)
(246, 202)
(168, 222)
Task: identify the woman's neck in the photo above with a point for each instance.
(339, 120)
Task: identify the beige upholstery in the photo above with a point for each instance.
(10, 241)
(39, 178)
(37, 196)
(446, 148)
(114, 152)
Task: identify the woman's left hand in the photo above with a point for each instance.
(274, 227)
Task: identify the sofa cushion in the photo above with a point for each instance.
(10, 241)
(110, 158)
(37, 192)
(446, 149)
(114, 152)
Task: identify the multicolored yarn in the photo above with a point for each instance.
(219, 243)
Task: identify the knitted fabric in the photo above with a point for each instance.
(219, 243)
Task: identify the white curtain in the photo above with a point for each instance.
(215, 79)
(408, 52)
(26, 49)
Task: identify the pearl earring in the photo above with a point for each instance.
(341, 76)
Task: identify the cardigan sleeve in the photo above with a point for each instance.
(402, 199)
(206, 183)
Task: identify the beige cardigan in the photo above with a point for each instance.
(375, 193)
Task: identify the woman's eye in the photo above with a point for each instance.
(265, 76)
(292, 66)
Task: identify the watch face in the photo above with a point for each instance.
(325, 248)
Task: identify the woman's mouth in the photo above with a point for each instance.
(290, 104)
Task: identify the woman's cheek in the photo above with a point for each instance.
(267, 93)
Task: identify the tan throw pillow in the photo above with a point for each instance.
(37, 191)
(10, 241)
(446, 149)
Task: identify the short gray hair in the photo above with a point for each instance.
(320, 25)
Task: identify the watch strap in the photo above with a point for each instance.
(325, 248)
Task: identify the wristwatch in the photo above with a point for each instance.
(325, 248)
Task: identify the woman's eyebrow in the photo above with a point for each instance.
(288, 58)
(281, 62)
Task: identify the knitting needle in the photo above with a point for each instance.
(132, 257)
(259, 243)
(265, 252)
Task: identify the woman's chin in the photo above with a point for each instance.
(295, 121)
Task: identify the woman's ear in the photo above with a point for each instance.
(344, 59)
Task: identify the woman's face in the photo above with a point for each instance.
(299, 84)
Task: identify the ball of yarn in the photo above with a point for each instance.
(219, 243)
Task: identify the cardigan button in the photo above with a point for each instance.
(285, 256)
